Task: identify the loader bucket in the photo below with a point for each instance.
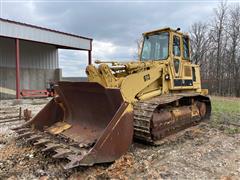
(86, 124)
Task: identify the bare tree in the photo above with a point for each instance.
(216, 47)
(217, 37)
(199, 42)
(234, 36)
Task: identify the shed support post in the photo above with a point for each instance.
(90, 54)
(89, 57)
(17, 69)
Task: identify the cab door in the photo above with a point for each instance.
(191, 72)
(177, 55)
(181, 65)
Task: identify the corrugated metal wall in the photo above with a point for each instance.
(7, 52)
(32, 55)
(37, 62)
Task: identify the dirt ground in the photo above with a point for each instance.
(210, 150)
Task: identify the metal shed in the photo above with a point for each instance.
(29, 55)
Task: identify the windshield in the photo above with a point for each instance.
(155, 47)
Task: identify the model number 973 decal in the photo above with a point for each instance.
(146, 77)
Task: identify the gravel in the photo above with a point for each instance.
(199, 152)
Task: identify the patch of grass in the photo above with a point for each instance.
(226, 111)
(232, 130)
(225, 105)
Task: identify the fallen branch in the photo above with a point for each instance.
(8, 117)
(10, 120)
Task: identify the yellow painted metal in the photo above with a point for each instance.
(58, 127)
(140, 80)
(150, 95)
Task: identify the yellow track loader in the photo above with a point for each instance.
(147, 100)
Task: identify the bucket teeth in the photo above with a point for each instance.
(70, 165)
(74, 161)
(41, 142)
(62, 153)
(82, 145)
(27, 134)
(71, 157)
(50, 146)
(33, 138)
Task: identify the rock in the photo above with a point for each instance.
(30, 155)
(43, 178)
(12, 178)
(40, 172)
(225, 178)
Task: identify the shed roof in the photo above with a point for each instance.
(13, 29)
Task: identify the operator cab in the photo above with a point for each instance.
(157, 45)
(171, 47)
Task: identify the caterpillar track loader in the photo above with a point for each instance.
(95, 121)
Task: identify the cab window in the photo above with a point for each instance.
(186, 47)
(155, 47)
(176, 46)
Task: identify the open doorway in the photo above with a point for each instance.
(73, 63)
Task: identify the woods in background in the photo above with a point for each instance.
(216, 48)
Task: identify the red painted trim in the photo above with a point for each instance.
(35, 93)
(17, 69)
(42, 28)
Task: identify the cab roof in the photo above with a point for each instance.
(168, 29)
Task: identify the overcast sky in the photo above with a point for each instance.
(114, 25)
